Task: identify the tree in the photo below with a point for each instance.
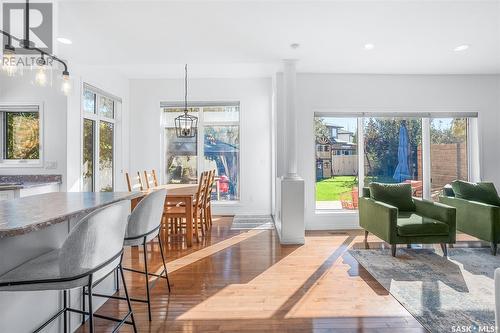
(381, 145)
(320, 129)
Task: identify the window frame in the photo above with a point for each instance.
(96, 117)
(22, 163)
(202, 124)
(473, 163)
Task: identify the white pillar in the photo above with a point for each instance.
(290, 119)
(290, 196)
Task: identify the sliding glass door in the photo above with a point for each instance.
(426, 151)
(337, 161)
(393, 149)
(449, 152)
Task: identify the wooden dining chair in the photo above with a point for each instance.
(134, 184)
(177, 215)
(150, 179)
(207, 207)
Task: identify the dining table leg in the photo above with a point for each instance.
(189, 221)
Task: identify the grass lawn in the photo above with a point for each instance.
(331, 188)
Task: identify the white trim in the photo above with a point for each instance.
(426, 158)
(39, 163)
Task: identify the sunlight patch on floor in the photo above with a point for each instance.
(208, 251)
(273, 292)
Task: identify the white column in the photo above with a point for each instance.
(290, 224)
(290, 119)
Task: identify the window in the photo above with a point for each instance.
(449, 152)
(426, 150)
(391, 151)
(99, 112)
(336, 171)
(216, 147)
(20, 137)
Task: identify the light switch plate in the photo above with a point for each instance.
(51, 165)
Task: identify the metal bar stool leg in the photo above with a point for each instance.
(83, 305)
(117, 280)
(147, 277)
(128, 299)
(65, 305)
(164, 264)
(91, 314)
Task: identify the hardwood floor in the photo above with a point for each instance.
(245, 281)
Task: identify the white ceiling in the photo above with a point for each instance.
(249, 38)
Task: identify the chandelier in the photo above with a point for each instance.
(10, 64)
(186, 125)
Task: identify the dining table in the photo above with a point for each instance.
(176, 193)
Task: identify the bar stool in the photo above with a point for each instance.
(144, 226)
(92, 251)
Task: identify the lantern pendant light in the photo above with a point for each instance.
(186, 125)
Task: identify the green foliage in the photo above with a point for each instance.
(381, 145)
(23, 135)
(456, 133)
(320, 129)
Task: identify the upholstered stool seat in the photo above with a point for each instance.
(47, 268)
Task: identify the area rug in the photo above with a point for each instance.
(250, 222)
(443, 294)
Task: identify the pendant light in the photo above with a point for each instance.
(186, 125)
(10, 66)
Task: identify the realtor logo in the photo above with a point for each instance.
(40, 25)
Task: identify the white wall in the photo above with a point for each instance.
(408, 93)
(112, 83)
(254, 96)
(21, 89)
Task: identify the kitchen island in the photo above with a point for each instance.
(18, 186)
(32, 226)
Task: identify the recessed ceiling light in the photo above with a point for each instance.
(295, 46)
(64, 40)
(369, 46)
(461, 48)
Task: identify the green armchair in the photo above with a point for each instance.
(478, 210)
(389, 212)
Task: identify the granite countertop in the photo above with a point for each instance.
(17, 182)
(24, 215)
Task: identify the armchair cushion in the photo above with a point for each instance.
(397, 195)
(412, 224)
(480, 192)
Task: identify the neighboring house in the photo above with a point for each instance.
(329, 149)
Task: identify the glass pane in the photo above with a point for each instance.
(88, 101)
(105, 156)
(222, 154)
(393, 151)
(448, 152)
(180, 158)
(336, 163)
(22, 136)
(221, 114)
(106, 107)
(88, 156)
